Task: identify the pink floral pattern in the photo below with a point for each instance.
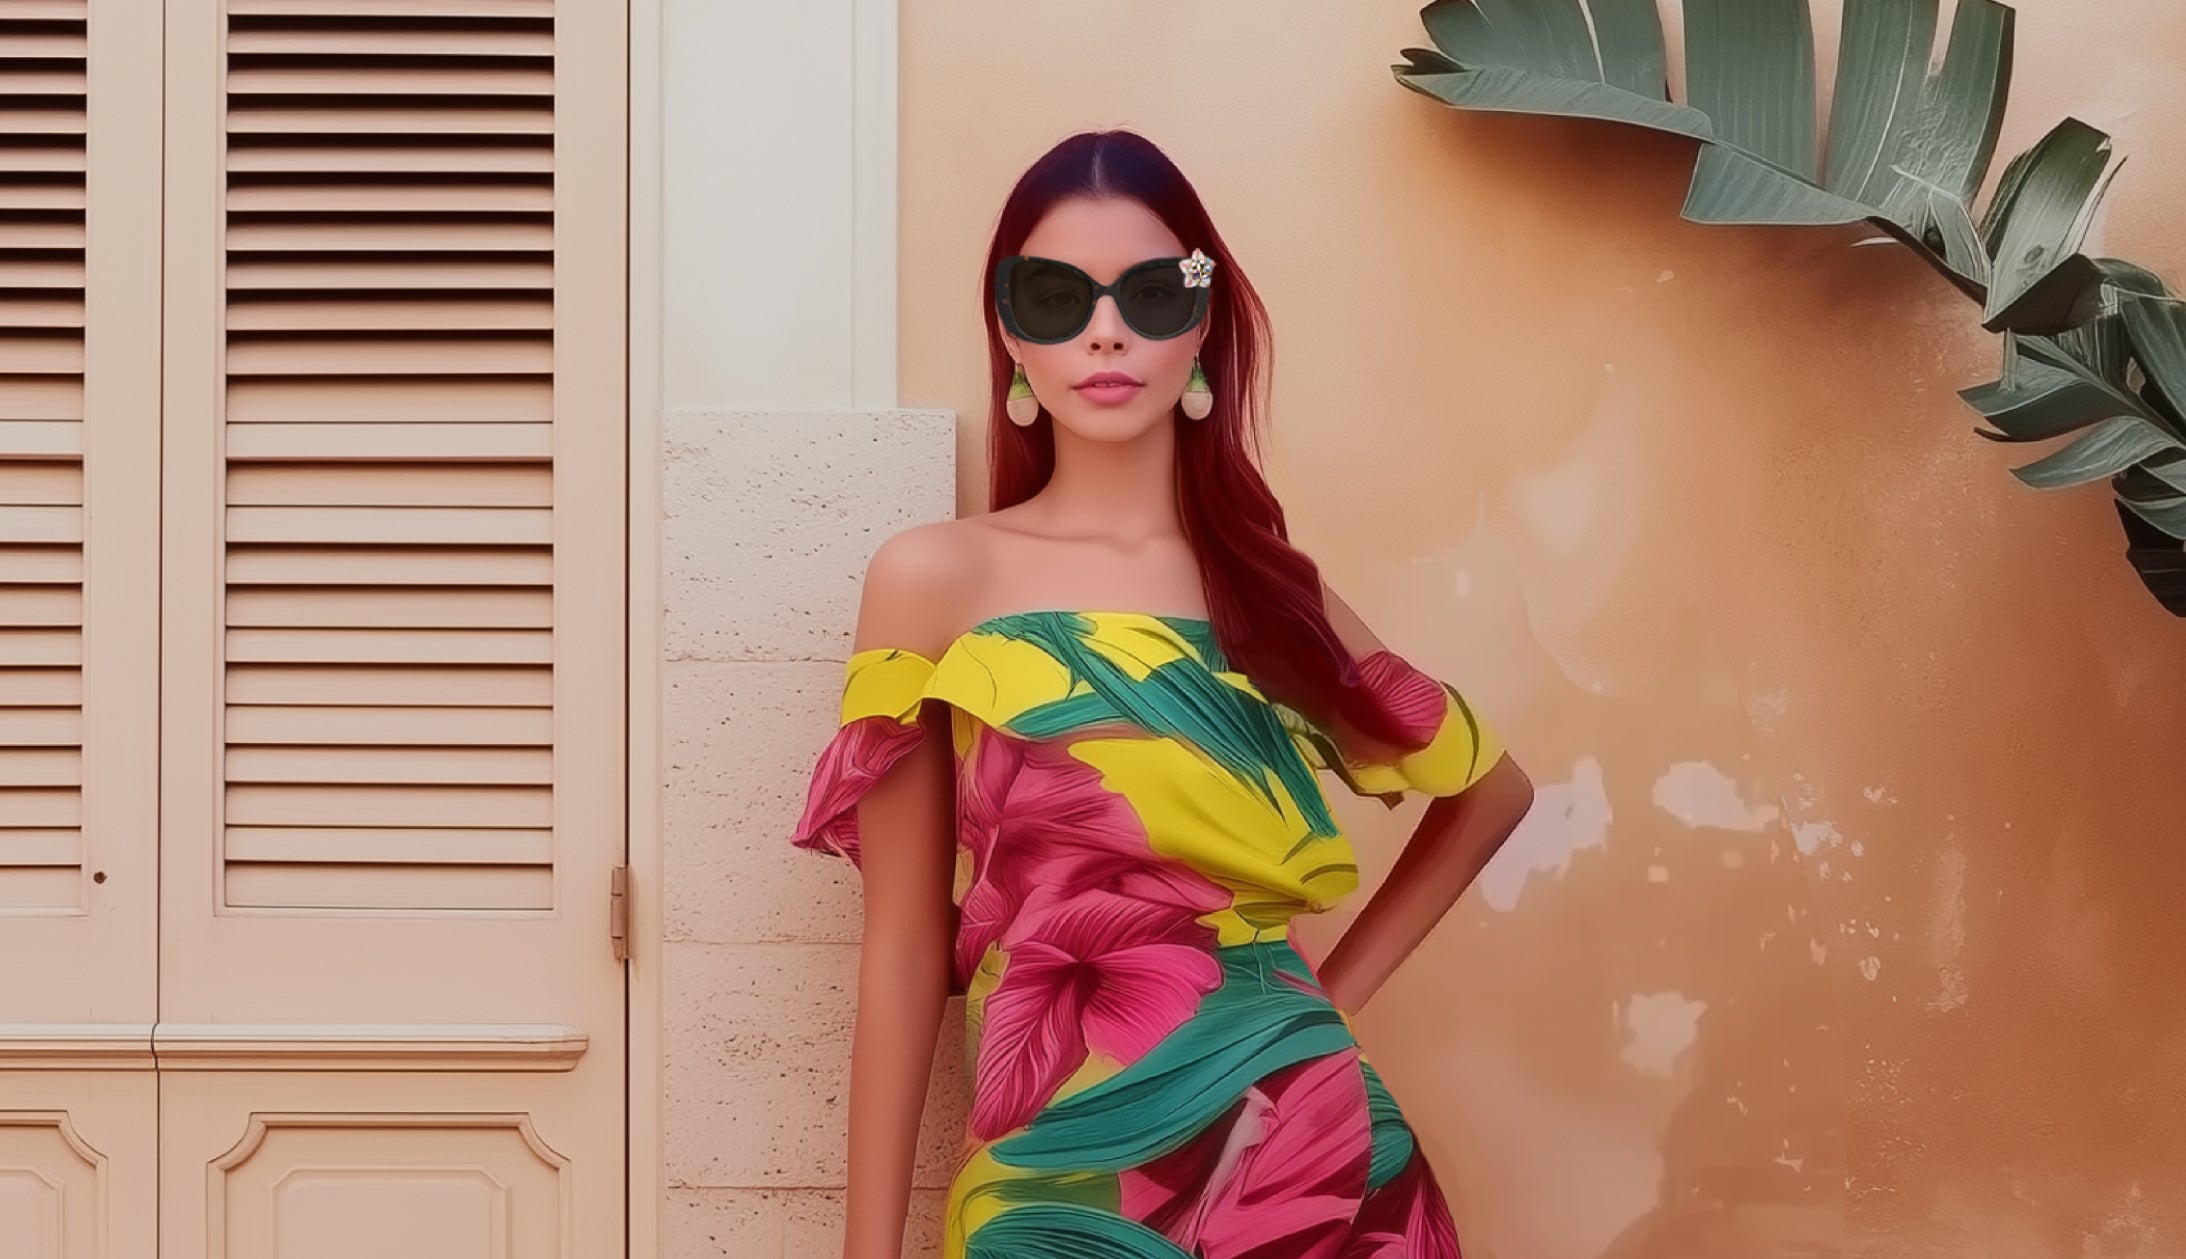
(1230, 1116)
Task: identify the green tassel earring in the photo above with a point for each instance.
(1198, 399)
(1022, 407)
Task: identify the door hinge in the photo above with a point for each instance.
(618, 911)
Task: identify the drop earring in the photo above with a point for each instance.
(1022, 407)
(1198, 400)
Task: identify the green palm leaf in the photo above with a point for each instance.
(1907, 150)
(1248, 1027)
(1182, 698)
(1062, 1230)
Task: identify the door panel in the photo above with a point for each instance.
(392, 719)
(78, 1163)
(79, 626)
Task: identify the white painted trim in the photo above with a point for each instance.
(873, 224)
(645, 1156)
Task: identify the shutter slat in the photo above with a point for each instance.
(38, 194)
(57, 44)
(36, 648)
(423, 119)
(22, 354)
(43, 273)
(433, 566)
(355, 724)
(23, 847)
(475, 526)
(43, 606)
(366, 82)
(394, 159)
(392, 8)
(389, 887)
(351, 764)
(41, 160)
(331, 233)
(46, 122)
(390, 485)
(56, 483)
(474, 314)
(414, 846)
(24, 80)
(484, 39)
(404, 401)
(41, 313)
(41, 234)
(24, 688)
(365, 275)
(455, 442)
(49, 10)
(437, 195)
(413, 686)
(409, 805)
(387, 356)
(58, 809)
(42, 889)
(39, 767)
(418, 607)
(390, 646)
(40, 565)
(40, 524)
(44, 727)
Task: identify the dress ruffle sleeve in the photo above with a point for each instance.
(882, 691)
(1460, 748)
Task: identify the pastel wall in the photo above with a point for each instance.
(1844, 923)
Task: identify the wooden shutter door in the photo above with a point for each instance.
(79, 620)
(391, 1020)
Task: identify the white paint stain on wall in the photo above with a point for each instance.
(1698, 794)
(1812, 836)
(1659, 1026)
(1566, 817)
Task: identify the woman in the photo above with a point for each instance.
(1101, 831)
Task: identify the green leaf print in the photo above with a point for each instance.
(1057, 1230)
(1181, 698)
(1392, 1136)
(1252, 1025)
(1094, 1191)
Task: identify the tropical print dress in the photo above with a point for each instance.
(1156, 1071)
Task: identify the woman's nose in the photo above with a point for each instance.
(1107, 322)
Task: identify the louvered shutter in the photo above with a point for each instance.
(394, 671)
(389, 483)
(79, 587)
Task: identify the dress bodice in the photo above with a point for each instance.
(1120, 752)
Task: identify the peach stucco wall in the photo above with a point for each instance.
(1845, 920)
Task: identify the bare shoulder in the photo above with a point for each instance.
(916, 586)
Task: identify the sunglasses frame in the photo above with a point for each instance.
(1008, 313)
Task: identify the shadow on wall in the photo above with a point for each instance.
(1842, 922)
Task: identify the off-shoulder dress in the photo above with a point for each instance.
(1156, 1071)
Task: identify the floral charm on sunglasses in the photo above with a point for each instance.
(1198, 270)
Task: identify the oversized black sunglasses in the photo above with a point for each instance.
(1046, 300)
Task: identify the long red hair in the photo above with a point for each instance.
(1263, 594)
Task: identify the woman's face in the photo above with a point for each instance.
(1102, 237)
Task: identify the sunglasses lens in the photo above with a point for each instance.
(1155, 302)
(1050, 302)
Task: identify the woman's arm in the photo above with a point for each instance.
(1454, 840)
(907, 825)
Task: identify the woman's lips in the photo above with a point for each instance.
(1109, 392)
